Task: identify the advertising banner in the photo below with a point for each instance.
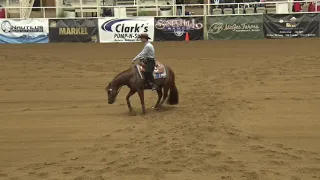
(125, 29)
(291, 25)
(24, 31)
(175, 28)
(73, 30)
(235, 27)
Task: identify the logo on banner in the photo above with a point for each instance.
(73, 31)
(24, 31)
(218, 27)
(7, 27)
(178, 26)
(290, 27)
(127, 29)
(292, 23)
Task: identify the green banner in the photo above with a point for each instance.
(235, 27)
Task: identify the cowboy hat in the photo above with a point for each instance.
(146, 36)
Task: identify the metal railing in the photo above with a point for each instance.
(152, 10)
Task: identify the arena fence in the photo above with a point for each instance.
(198, 27)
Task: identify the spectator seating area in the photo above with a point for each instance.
(146, 7)
(247, 7)
(242, 10)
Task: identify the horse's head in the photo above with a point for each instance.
(112, 92)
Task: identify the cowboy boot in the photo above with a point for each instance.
(153, 85)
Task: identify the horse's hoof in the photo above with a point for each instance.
(156, 108)
(132, 113)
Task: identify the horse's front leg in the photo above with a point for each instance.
(159, 91)
(130, 93)
(141, 96)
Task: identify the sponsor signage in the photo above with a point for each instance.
(73, 30)
(291, 25)
(175, 29)
(235, 27)
(125, 30)
(24, 31)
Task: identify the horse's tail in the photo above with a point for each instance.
(173, 98)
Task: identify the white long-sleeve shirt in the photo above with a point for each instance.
(147, 52)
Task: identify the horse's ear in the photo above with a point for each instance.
(107, 87)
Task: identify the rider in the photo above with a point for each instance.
(147, 55)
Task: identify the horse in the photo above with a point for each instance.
(164, 78)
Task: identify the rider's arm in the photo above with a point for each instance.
(142, 54)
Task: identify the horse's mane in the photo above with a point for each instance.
(121, 73)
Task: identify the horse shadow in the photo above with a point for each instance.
(150, 111)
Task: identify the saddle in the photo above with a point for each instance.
(159, 68)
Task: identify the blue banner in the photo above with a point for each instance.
(24, 31)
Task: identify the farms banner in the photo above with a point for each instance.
(24, 31)
(291, 25)
(175, 28)
(235, 27)
(125, 30)
(73, 30)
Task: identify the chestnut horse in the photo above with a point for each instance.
(133, 78)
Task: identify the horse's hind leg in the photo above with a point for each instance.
(159, 91)
(165, 95)
(130, 93)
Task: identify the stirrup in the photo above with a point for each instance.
(154, 87)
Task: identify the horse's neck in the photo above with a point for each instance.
(122, 79)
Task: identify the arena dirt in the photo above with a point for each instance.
(249, 110)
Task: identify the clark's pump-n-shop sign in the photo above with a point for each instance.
(125, 30)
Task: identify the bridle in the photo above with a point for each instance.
(117, 90)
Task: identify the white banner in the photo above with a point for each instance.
(24, 31)
(125, 29)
